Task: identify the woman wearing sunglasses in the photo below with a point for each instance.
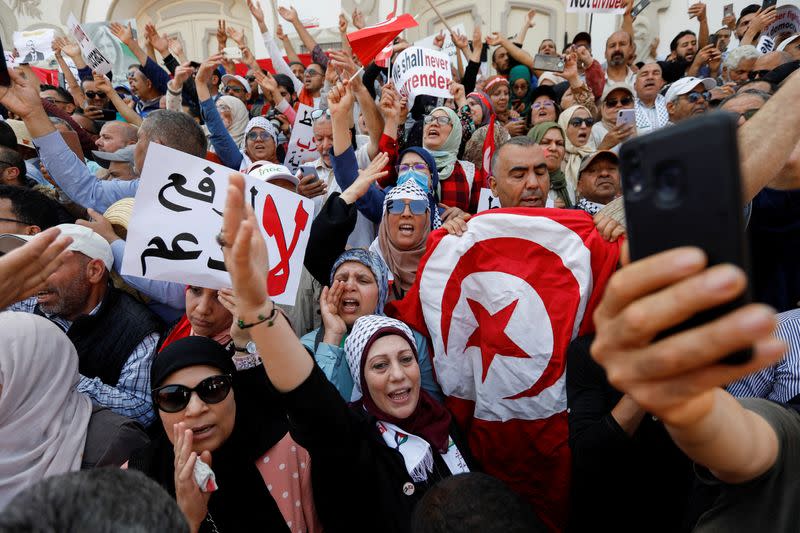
(606, 134)
(372, 461)
(577, 122)
(47, 427)
(232, 421)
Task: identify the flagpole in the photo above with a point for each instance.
(446, 25)
(359, 71)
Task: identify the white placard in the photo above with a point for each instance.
(488, 201)
(11, 61)
(178, 214)
(91, 54)
(302, 146)
(590, 7)
(449, 47)
(34, 45)
(313, 14)
(418, 71)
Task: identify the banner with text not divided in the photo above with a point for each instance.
(592, 7)
(418, 71)
(178, 214)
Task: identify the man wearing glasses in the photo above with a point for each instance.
(236, 86)
(688, 97)
(767, 62)
(313, 81)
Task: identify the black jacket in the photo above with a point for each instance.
(358, 480)
(328, 237)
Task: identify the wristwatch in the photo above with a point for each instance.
(249, 348)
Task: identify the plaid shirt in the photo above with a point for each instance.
(131, 395)
(455, 190)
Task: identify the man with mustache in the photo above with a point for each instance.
(115, 336)
(690, 52)
(618, 50)
(688, 97)
(650, 105)
(598, 181)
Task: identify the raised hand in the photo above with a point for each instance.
(343, 60)
(206, 68)
(245, 251)
(358, 19)
(461, 41)
(159, 42)
(289, 14)
(530, 16)
(458, 92)
(266, 82)
(570, 72)
(366, 177)
(698, 10)
(342, 23)
(438, 41)
(763, 19)
(22, 98)
(239, 336)
(191, 500)
(237, 35)
(121, 32)
(494, 39)
(25, 270)
(255, 9)
(182, 73)
(222, 34)
(389, 104)
(329, 302)
(341, 99)
(176, 48)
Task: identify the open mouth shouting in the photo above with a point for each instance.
(400, 396)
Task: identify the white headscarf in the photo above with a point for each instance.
(574, 154)
(43, 418)
(239, 117)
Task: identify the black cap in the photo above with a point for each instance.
(544, 90)
(582, 36)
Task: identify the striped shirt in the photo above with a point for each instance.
(780, 382)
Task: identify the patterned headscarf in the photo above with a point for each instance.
(375, 264)
(447, 156)
(256, 122)
(574, 154)
(482, 99)
(363, 331)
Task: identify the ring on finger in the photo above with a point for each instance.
(221, 240)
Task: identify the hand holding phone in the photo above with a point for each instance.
(308, 170)
(548, 63)
(638, 8)
(626, 117)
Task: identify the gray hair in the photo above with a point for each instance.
(739, 53)
(176, 130)
(520, 140)
(750, 92)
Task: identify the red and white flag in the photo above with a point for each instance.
(384, 57)
(501, 304)
(368, 42)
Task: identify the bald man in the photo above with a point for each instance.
(115, 135)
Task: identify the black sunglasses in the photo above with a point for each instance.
(695, 96)
(757, 74)
(174, 398)
(16, 221)
(94, 94)
(613, 102)
(576, 122)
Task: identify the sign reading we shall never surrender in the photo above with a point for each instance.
(178, 213)
(418, 71)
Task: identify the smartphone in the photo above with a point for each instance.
(665, 177)
(5, 79)
(232, 52)
(626, 116)
(768, 3)
(549, 63)
(308, 170)
(638, 8)
(727, 10)
(712, 39)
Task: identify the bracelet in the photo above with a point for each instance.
(270, 320)
(173, 93)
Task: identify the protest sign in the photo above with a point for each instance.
(449, 47)
(302, 147)
(421, 71)
(119, 55)
(34, 45)
(591, 7)
(11, 61)
(786, 24)
(93, 56)
(178, 214)
(313, 13)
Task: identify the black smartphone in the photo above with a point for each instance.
(712, 39)
(679, 192)
(638, 8)
(5, 79)
(727, 10)
(309, 170)
(549, 63)
(767, 3)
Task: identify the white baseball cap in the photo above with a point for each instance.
(268, 171)
(685, 86)
(786, 42)
(618, 86)
(227, 77)
(84, 241)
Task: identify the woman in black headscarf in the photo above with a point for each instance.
(232, 422)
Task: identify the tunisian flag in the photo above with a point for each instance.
(501, 303)
(367, 42)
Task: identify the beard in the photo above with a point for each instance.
(617, 59)
(70, 298)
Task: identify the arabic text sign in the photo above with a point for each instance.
(178, 214)
(94, 58)
(418, 71)
(614, 7)
(302, 147)
(34, 45)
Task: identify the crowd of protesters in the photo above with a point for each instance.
(300, 411)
